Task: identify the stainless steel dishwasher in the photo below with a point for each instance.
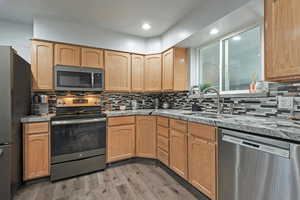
(257, 168)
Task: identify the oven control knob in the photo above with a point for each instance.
(80, 155)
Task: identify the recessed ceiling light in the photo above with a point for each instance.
(214, 31)
(146, 26)
(237, 38)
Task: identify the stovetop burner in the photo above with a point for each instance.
(78, 112)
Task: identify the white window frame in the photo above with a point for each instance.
(224, 40)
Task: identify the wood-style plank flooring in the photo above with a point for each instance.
(131, 181)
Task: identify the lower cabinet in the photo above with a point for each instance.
(179, 148)
(36, 139)
(120, 139)
(202, 158)
(146, 136)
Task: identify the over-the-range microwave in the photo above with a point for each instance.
(69, 78)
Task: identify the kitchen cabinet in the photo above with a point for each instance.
(163, 140)
(202, 147)
(282, 40)
(68, 55)
(152, 73)
(146, 136)
(179, 147)
(168, 70)
(117, 71)
(42, 65)
(92, 58)
(36, 159)
(137, 73)
(120, 138)
(180, 69)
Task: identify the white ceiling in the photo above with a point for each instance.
(125, 16)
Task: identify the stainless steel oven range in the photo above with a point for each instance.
(78, 144)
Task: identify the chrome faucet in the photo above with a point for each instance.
(218, 96)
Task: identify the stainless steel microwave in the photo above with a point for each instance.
(68, 78)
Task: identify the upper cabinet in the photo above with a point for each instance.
(168, 70)
(92, 58)
(152, 74)
(67, 55)
(180, 69)
(117, 71)
(42, 65)
(137, 73)
(282, 40)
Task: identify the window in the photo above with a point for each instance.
(210, 65)
(233, 62)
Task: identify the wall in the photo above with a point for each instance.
(201, 17)
(18, 36)
(69, 32)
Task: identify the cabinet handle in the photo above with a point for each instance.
(1, 152)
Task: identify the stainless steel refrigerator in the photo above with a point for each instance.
(15, 98)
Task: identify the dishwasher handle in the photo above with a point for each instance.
(257, 146)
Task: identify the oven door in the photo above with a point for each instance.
(77, 139)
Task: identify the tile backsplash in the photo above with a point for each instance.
(258, 105)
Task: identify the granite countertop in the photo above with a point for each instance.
(273, 127)
(35, 118)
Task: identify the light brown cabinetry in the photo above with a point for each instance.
(120, 138)
(152, 73)
(117, 71)
(179, 147)
(92, 58)
(146, 136)
(202, 164)
(137, 73)
(36, 150)
(163, 140)
(67, 55)
(282, 41)
(180, 69)
(42, 65)
(168, 70)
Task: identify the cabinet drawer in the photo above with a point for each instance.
(163, 156)
(115, 121)
(202, 131)
(38, 127)
(179, 125)
(163, 121)
(163, 143)
(162, 131)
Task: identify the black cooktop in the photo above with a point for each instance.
(78, 113)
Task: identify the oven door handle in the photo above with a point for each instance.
(77, 121)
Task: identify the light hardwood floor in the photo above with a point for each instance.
(131, 181)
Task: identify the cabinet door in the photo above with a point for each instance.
(178, 153)
(42, 65)
(202, 165)
(117, 71)
(120, 142)
(137, 73)
(152, 73)
(36, 156)
(180, 69)
(92, 58)
(168, 70)
(146, 136)
(67, 55)
(282, 40)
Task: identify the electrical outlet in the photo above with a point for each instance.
(285, 102)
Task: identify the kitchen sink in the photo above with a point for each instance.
(207, 115)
